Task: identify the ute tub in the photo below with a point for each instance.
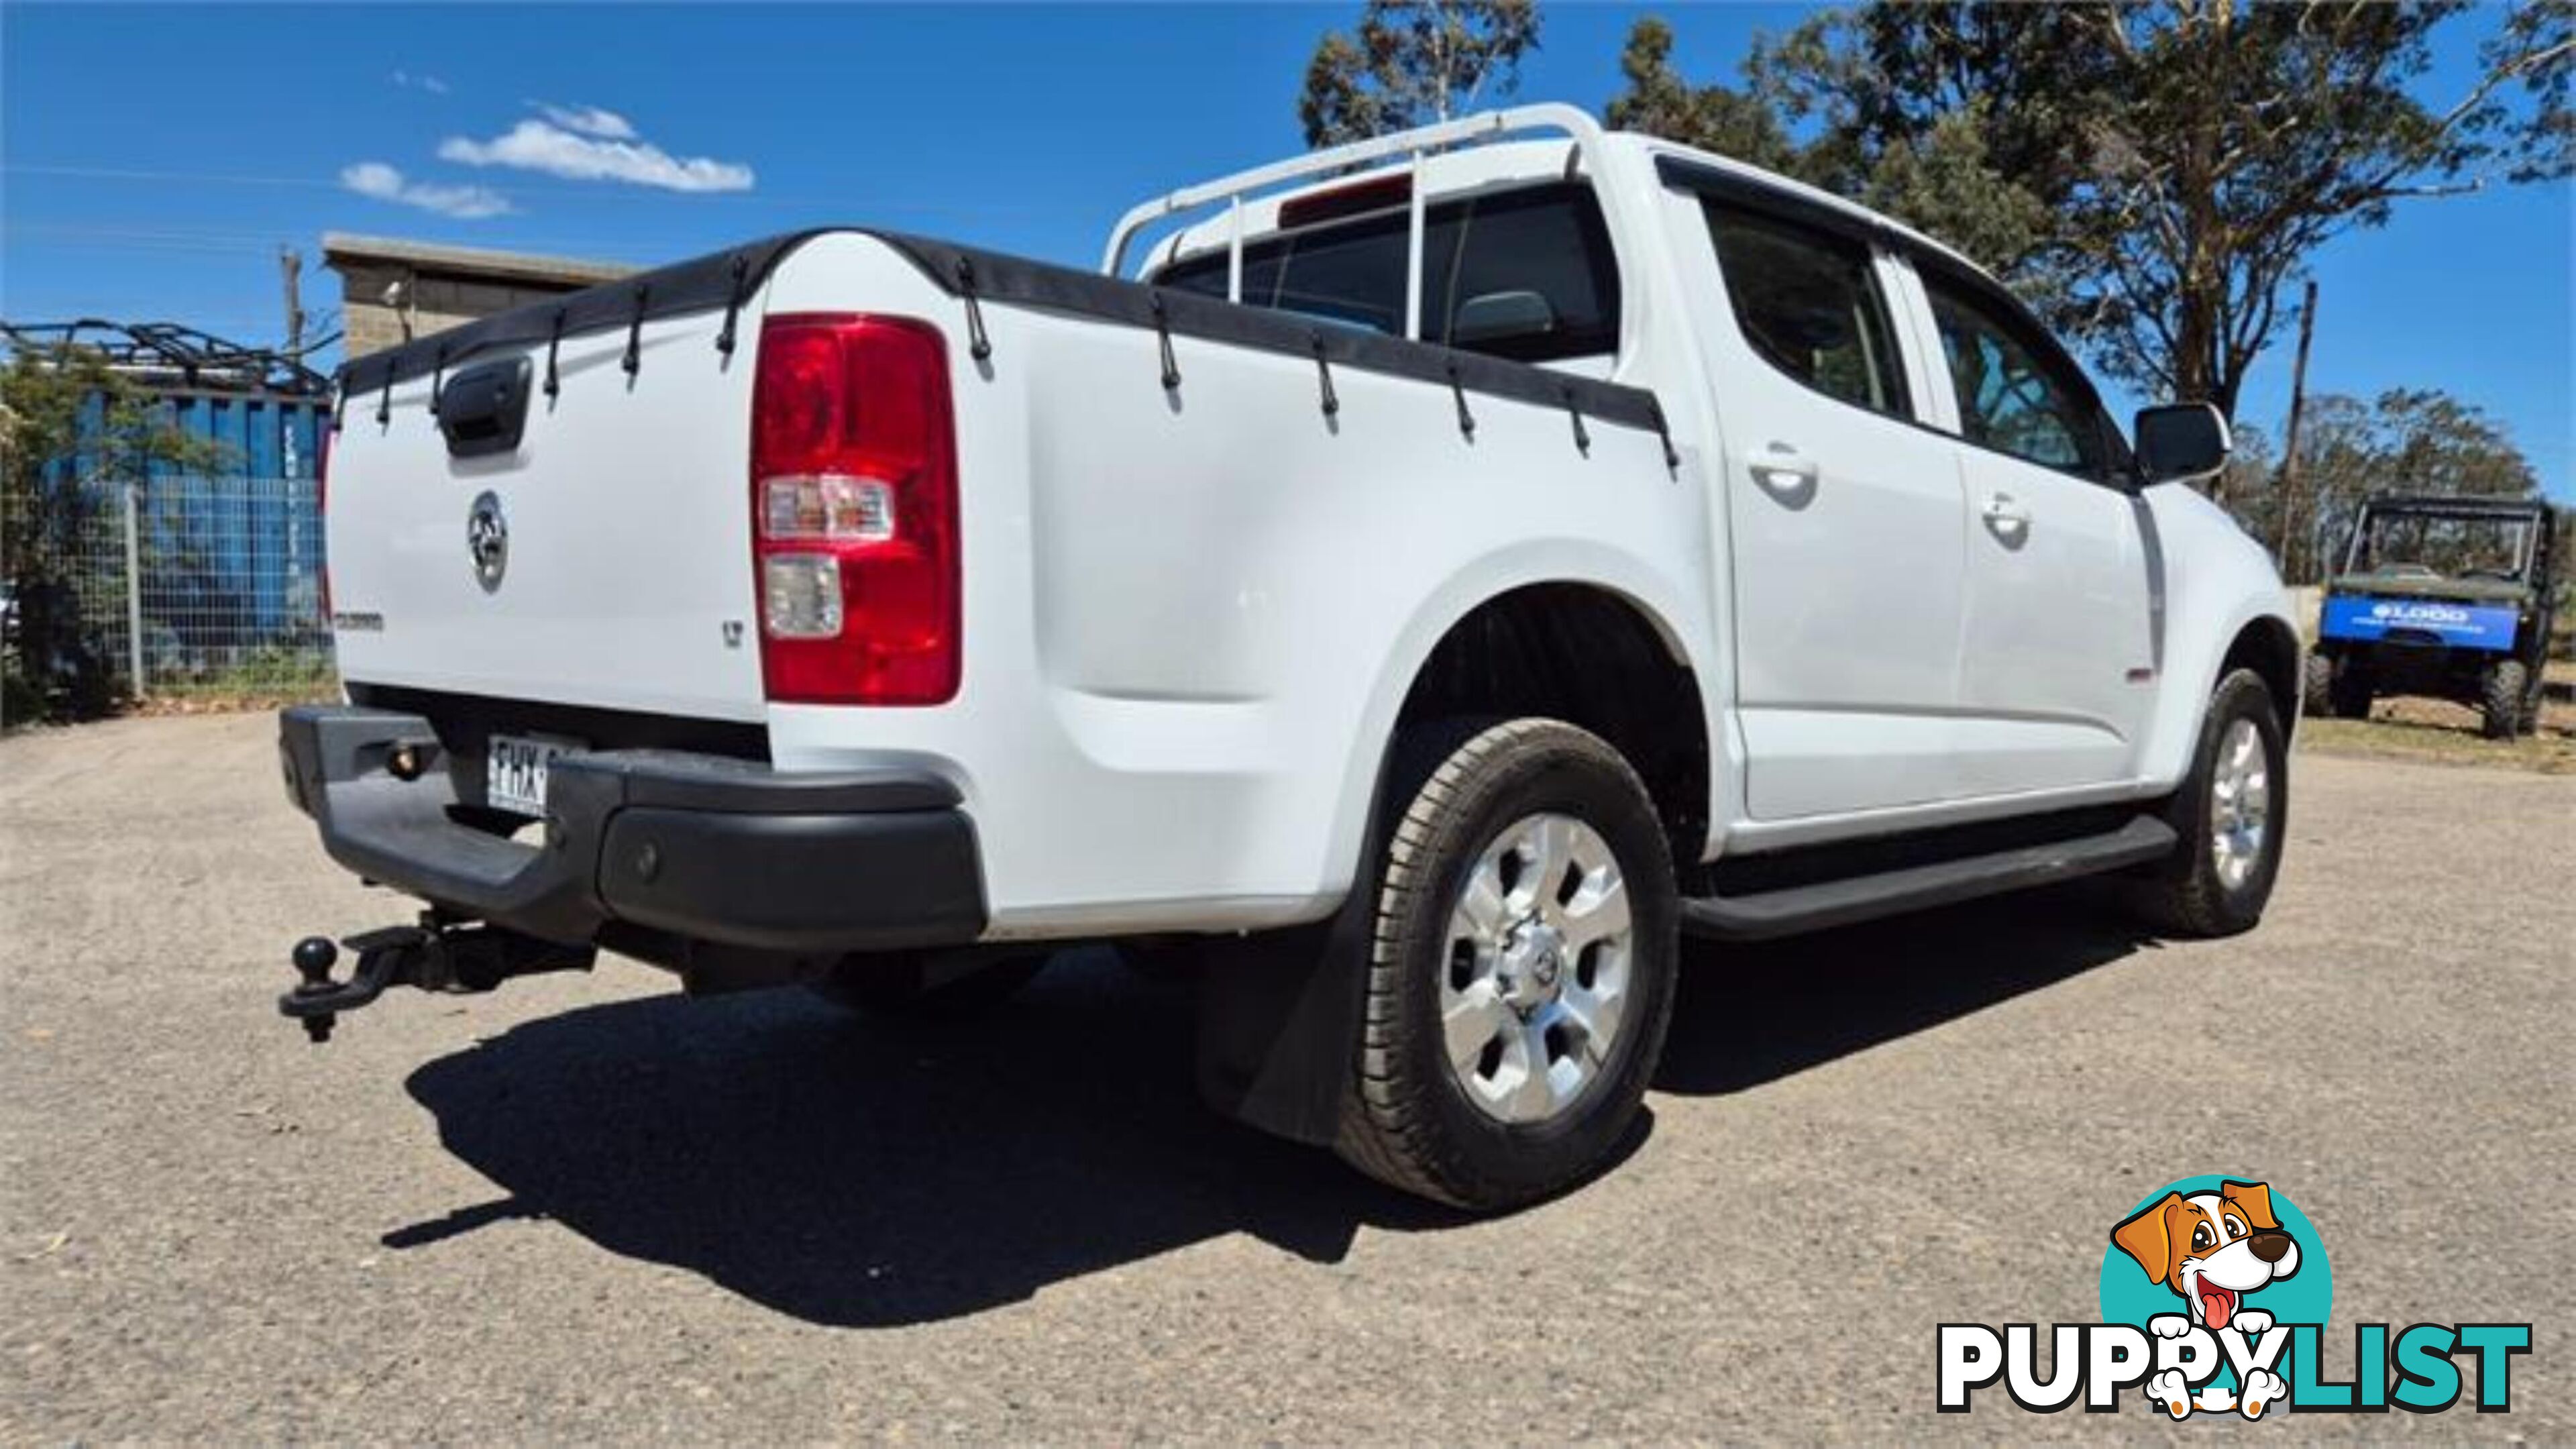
(703, 847)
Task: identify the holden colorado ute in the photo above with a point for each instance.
(1423, 579)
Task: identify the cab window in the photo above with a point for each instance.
(1808, 301)
(2013, 396)
(1526, 274)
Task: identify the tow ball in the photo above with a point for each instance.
(436, 955)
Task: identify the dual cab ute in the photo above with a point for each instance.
(1424, 578)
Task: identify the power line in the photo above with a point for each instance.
(186, 239)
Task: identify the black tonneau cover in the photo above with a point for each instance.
(728, 278)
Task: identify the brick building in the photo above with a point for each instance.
(392, 290)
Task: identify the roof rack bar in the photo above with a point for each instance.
(1420, 141)
(1413, 249)
(1234, 250)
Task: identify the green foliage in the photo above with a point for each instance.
(280, 671)
(49, 507)
(1412, 62)
(2154, 174)
(1659, 102)
(2407, 440)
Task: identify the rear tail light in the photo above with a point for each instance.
(854, 511)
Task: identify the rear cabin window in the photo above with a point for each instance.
(1525, 274)
(1808, 301)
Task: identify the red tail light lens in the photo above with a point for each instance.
(854, 511)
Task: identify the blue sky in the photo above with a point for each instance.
(155, 159)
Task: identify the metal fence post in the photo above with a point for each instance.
(133, 590)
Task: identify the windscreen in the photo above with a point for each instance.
(2442, 546)
(1526, 274)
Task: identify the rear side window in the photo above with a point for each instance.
(1808, 301)
(2014, 397)
(1525, 274)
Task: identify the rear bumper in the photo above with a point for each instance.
(696, 846)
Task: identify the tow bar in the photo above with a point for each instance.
(436, 955)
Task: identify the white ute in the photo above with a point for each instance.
(1422, 579)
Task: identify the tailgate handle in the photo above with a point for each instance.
(484, 409)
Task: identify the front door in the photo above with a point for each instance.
(2057, 653)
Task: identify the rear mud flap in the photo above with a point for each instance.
(1279, 1024)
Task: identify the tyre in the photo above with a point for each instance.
(2350, 693)
(2231, 813)
(2505, 695)
(924, 984)
(1523, 938)
(2316, 691)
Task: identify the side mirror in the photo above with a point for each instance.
(2182, 443)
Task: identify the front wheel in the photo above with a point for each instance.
(2316, 686)
(2230, 816)
(2506, 698)
(1524, 934)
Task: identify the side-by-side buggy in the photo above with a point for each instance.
(2448, 597)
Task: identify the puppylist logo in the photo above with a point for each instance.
(2215, 1294)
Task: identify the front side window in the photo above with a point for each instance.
(1807, 299)
(2012, 398)
(1526, 274)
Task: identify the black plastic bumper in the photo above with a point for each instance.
(697, 846)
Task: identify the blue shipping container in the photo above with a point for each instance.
(248, 543)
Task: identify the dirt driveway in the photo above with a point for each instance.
(585, 1208)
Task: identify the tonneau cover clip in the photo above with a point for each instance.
(978, 346)
(1163, 330)
(554, 341)
(733, 302)
(634, 359)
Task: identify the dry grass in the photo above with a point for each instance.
(2445, 733)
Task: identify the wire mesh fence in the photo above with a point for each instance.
(197, 586)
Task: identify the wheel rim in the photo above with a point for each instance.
(1535, 968)
(2240, 804)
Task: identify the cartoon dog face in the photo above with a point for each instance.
(2213, 1248)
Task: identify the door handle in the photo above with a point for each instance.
(1784, 471)
(2006, 517)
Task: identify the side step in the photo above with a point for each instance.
(1842, 902)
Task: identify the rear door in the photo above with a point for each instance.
(2057, 651)
(1845, 521)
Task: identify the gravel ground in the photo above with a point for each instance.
(585, 1208)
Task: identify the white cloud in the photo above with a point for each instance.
(559, 149)
(596, 121)
(429, 83)
(385, 183)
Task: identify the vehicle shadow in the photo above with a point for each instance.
(861, 1172)
(1757, 1012)
(864, 1173)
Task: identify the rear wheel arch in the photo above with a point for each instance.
(1595, 658)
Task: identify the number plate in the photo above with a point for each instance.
(514, 774)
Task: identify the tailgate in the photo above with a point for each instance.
(605, 560)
